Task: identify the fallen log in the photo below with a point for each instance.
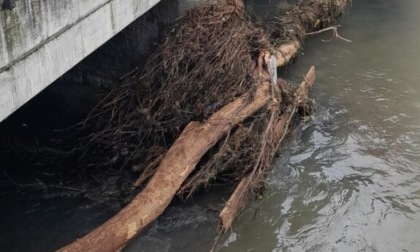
(298, 24)
(181, 159)
(196, 139)
(238, 198)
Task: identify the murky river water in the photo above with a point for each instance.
(348, 181)
(351, 180)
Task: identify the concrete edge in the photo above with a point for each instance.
(29, 76)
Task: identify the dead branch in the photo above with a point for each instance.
(196, 139)
(237, 199)
(334, 36)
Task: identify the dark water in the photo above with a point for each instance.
(348, 181)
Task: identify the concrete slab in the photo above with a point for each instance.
(41, 40)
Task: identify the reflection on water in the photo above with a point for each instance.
(351, 182)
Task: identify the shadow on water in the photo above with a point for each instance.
(348, 181)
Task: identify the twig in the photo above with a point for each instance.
(41, 184)
(286, 127)
(216, 240)
(331, 28)
(132, 71)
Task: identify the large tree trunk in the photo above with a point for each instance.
(195, 140)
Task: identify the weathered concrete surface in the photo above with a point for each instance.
(41, 40)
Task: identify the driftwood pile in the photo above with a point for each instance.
(207, 107)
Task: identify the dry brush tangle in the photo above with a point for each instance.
(166, 118)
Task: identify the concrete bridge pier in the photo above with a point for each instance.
(41, 40)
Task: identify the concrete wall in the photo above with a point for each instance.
(41, 40)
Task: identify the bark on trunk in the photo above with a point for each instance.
(181, 159)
